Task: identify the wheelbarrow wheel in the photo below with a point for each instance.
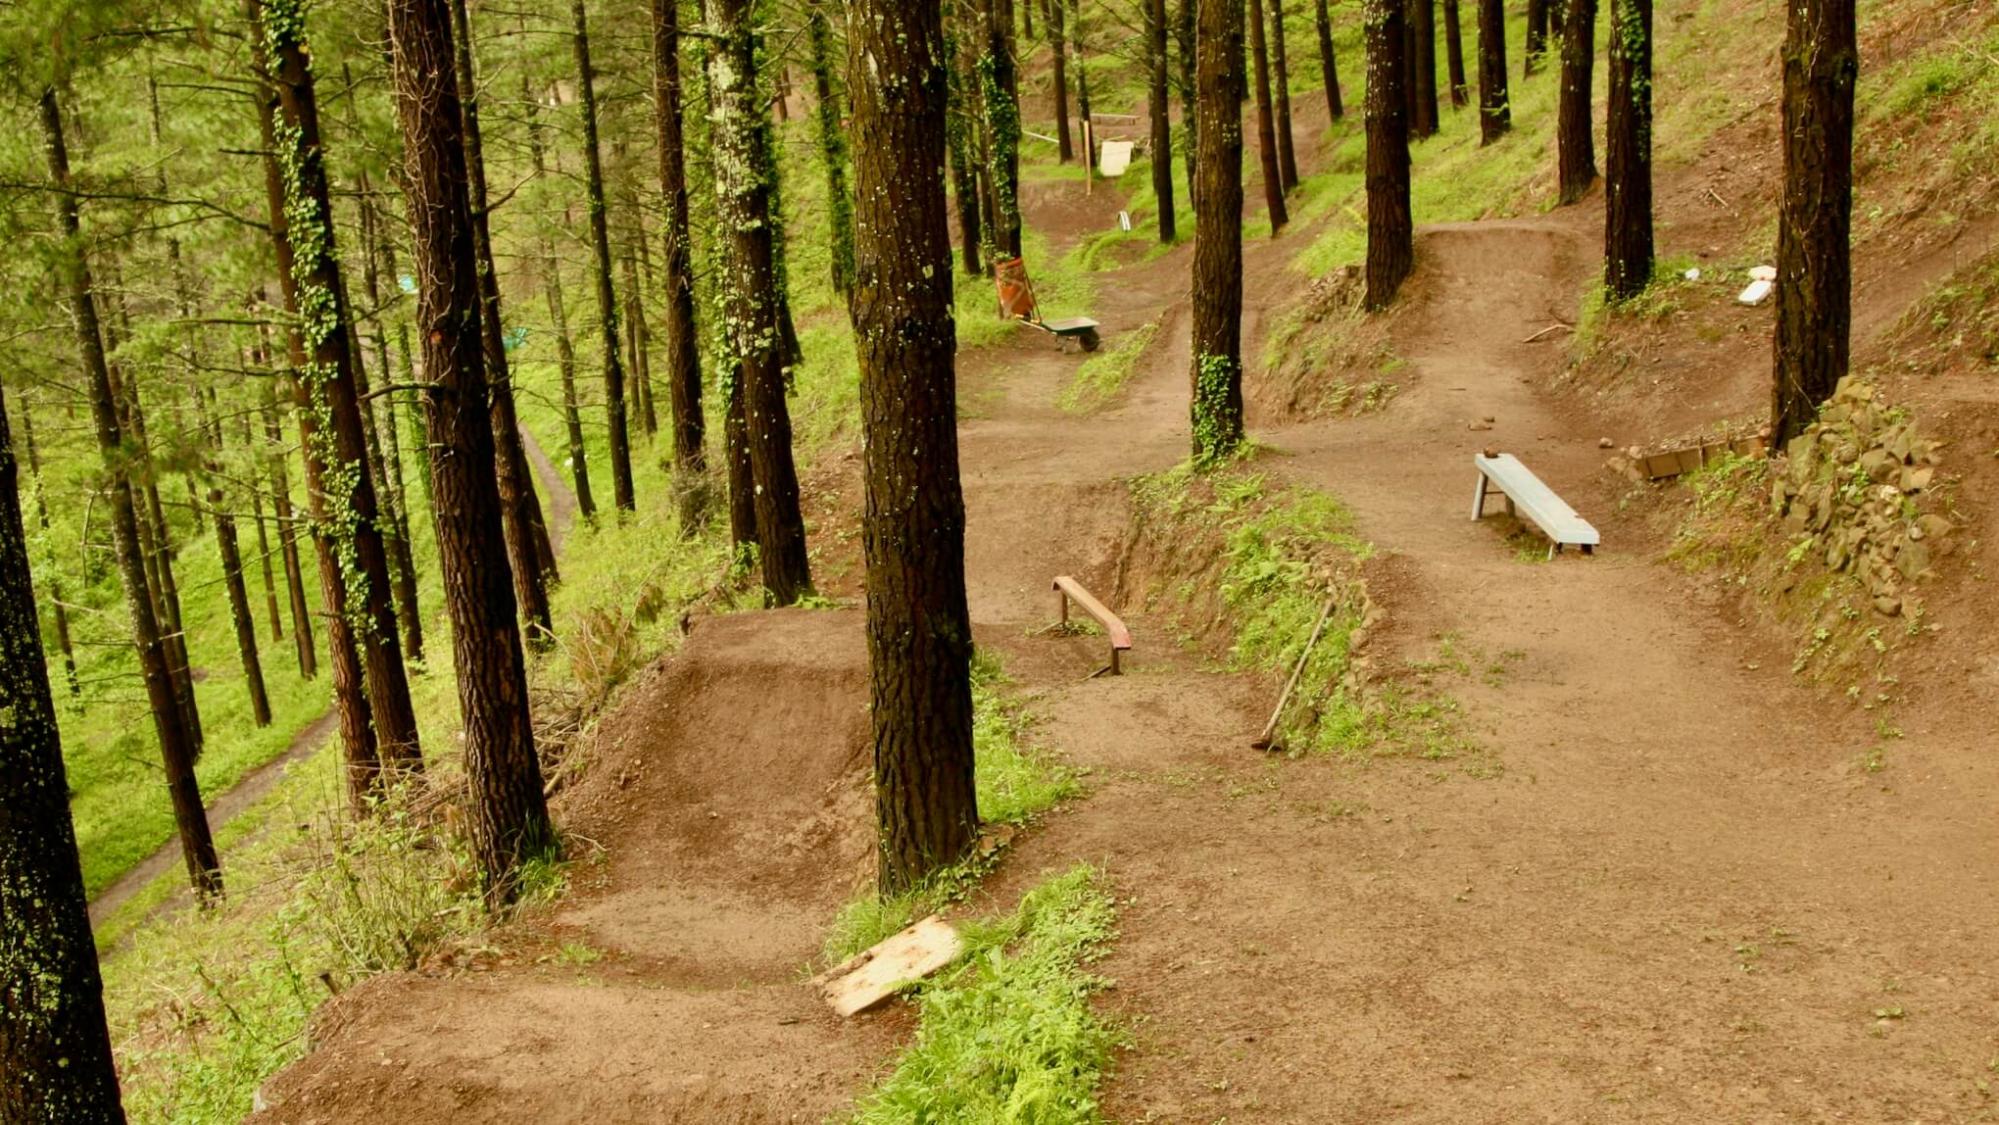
(1088, 340)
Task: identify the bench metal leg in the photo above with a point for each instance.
(1478, 499)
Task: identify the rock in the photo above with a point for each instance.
(1757, 293)
(1915, 480)
(1605, 443)
(1913, 559)
(1478, 425)
(1887, 606)
(1847, 453)
(1763, 273)
(1875, 463)
(1932, 526)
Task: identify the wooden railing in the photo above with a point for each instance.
(1068, 590)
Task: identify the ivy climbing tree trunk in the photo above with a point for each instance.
(1815, 217)
(330, 423)
(507, 814)
(1287, 159)
(1495, 113)
(1627, 240)
(832, 148)
(1002, 102)
(528, 555)
(55, 1049)
(1575, 147)
(1423, 33)
(913, 529)
(1391, 230)
(1329, 71)
(177, 746)
(1161, 110)
(1216, 377)
(749, 284)
(1454, 54)
(600, 244)
(1266, 129)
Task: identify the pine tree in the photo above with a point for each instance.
(1216, 376)
(1815, 217)
(1422, 32)
(1161, 110)
(1537, 36)
(55, 1050)
(913, 531)
(558, 318)
(1266, 126)
(507, 814)
(1329, 71)
(1575, 147)
(1454, 52)
(1627, 249)
(600, 244)
(1287, 159)
(1065, 150)
(1391, 232)
(749, 285)
(177, 744)
(1495, 111)
(832, 147)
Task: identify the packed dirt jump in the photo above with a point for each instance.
(1669, 894)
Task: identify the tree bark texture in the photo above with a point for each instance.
(1495, 110)
(1065, 149)
(1329, 71)
(1161, 110)
(1815, 217)
(1423, 30)
(508, 815)
(1266, 125)
(1391, 231)
(1287, 158)
(1454, 54)
(1575, 146)
(55, 1050)
(1216, 376)
(913, 529)
(744, 173)
(1627, 239)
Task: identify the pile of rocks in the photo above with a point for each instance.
(1856, 481)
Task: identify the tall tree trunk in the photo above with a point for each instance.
(1183, 35)
(1495, 110)
(1089, 124)
(55, 1049)
(1329, 72)
(64, 643)
(177, 746)
(283, 516)
(388, 470)
(232, 580)
(1216, 377)
(1391, 231)
(744, 174)
(1537, 36)
(964, 182)
(1287, 159)
(1002, 102)
(913, 532)
(330, 424)
(1627, 240)
(833, 147)
(528, 555)
(1423, 27)
(1576, 149)
(1162, 125)
(558, 318)
(1454, 52)
(1815, 218)
(1065, 149)
(607, 300)
(638, 341)
(256, 489)
(1266, 128)
(507, 814)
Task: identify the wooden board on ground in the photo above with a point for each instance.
(873, 975)
(1676, 462)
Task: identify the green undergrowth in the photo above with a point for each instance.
(1015, 784)
(1100, 378)
(1250, 563)
(1668, 293)
(1008, 1034)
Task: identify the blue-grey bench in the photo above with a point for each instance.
(1529, 499)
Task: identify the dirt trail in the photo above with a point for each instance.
(252, 786)
(1677, 897)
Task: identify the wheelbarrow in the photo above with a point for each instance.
(1016, 302)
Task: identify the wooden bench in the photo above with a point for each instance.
(1527, 497)
(1067, 589)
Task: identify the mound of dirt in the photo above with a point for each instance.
(729, 801)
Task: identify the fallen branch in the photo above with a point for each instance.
(1265, 741)
(1558, 326)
